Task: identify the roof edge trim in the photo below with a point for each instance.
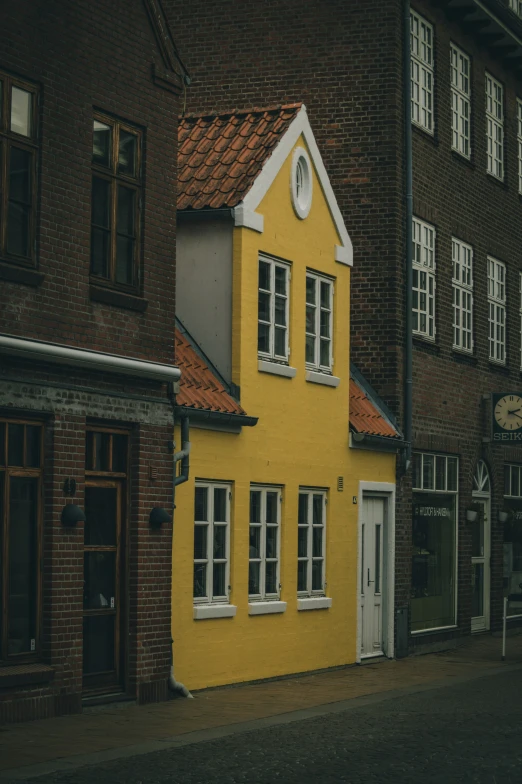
(204, 414)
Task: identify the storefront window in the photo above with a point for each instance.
(512, 571)
(435, 486)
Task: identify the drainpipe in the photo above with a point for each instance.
(408, 348)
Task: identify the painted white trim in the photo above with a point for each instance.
(314, 603)
(300, 126)
(322, 378)
(387, 491)
(266, 608)
(248, 218)
(276, 369)
(202, 611)
(301, 208)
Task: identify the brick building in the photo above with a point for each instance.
(348, 61)
(89, 99)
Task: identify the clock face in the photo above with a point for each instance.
(508, 412)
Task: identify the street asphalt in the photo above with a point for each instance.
(463, 732)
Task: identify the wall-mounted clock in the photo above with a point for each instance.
(506, 411)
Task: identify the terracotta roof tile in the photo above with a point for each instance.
(220, 156)
(199, 387)
(365, 417)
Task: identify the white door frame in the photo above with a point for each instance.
(386, 491)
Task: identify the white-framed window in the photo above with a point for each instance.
(519, 143)
(497, 310)
(273, 307)
(421, 42)
(460, 101)
(495, 127)
(211, 542)
(423, 305)
(311, 542)
(301, 182)
(319, 322)
(462, 255)
(516, 6)
(264, 542)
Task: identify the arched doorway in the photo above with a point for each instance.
(481, 550)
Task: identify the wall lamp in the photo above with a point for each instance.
(158, 516)
(71, 515)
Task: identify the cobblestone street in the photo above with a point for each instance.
(467, 732)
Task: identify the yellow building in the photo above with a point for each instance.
(283, 533)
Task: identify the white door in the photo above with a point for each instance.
(372, 576)
(481, 551)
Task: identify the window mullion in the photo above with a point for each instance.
(113, 235)
(262, 569)
(272, 309)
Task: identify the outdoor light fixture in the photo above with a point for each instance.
(503, 516)
(158, 516)
(72, 514)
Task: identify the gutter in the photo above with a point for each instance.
(408, 347)
(383, 443)
(203, 415)
(40, 351)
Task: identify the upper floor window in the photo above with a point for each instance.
(311, 543)
(462, 255)
(519, 143)
(211, 542)
(264, 542)
(319, 308)
(460, 101)
(516, 6)
(421, 42)
(18, 150)
(116, 198)
(423, 303)
(495, 127)
(497, 310)
(273, 305)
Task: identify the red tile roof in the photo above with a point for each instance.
(220, 156)
(199, 387)
(365, 417)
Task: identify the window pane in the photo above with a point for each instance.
(255, 506)
(218, 587)
(452, 473)
(377, 559)
(310, 349)
(126, 199)
(255, 542)
(201, 503)
(200, 542)
(324, 350)
(310, 291)
(271, 577)
(98, 643)
(263, 338)
(100, 236)
(271, 542)
(127, 153)
(317, 575)
(2, 443)
(101, 143)
(264, 306)
(15, 445)
(302, 517)
(119, 453)
(271, 507)
(101, 451)
(440, 473)
(99, 571)
(19, 202)
(32, 447)
(317, 506)
(325, 324)
(200, 580)
(310, 319)
(427, 470)
(220, 541)
(280, 311)
(280, 280)
(253, 578)
(317, 542)
(264, 275)
(220, 505)
(125, 239)
(416, 478)
(21, 119)
(22, 564)
(302, 542)
(100, 516)
(301, 575)
(325, 295)
(280, 342)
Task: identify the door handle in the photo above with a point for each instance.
(369, 581)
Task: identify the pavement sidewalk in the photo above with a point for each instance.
(122, 730)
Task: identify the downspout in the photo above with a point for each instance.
(408, 348)
(183, 455)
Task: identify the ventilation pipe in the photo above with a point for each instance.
(408, 348)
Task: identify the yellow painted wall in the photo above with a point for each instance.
(301, 439)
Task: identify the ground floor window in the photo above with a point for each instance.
(434, 540)
(20, 537)
(512, 570)
(211, 541)
(311, 531)
(264, 542)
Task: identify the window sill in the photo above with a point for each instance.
(118, 298)
(497, 367)
(20, 274)
(426, 344)
(264, 366)
(25, 674)
(458, 156)
(425, 133)
(465, 357)
(322, 378)
(266, 608)
(314, 603)
(203, 611)
(497, 180)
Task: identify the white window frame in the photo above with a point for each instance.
(319, 281)
(460, 65)
(309, 527)
(495, 127)
(209, 560)
(273, 295)
(516, 6)
(462, 258)
(497, 310)
(424, 282)
(422, 74)
(519, 142)
(262, 559)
